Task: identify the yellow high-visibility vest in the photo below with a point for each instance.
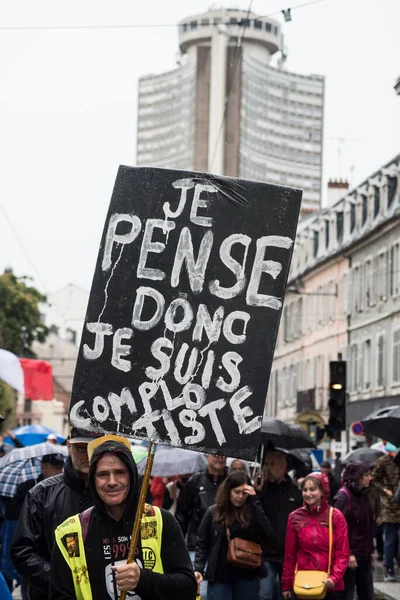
(69, 535)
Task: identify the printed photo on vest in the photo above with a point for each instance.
(71, 544)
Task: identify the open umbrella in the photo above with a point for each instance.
(384, 423)
(284, 435)
(174, 461)
(139, 452)
(379, 446)
(11, 371)
(18, 472)
(36, 451)
(33, 434)
(369, 455)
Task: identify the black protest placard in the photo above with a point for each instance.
(183, 314)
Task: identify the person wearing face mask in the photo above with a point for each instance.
(353, 500)
(307, 539)
(236, 514)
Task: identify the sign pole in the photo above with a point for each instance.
(140, 507)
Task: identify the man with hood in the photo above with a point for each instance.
(47, 505)
(354, 502)
(98, 569)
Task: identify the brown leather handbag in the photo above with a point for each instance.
(242, 553)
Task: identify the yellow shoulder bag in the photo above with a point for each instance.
(309, 584)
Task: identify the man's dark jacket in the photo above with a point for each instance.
(196, 497)
(46, 506)
(278, 500)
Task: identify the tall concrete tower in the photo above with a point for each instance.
(225, 110)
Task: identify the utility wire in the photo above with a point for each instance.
(24, 250)
(231, 80)
(136, 25)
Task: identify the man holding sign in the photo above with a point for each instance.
(184, 310)
(97, 568)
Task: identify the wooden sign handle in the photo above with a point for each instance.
(140, 507)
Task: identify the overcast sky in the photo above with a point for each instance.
(68, 108)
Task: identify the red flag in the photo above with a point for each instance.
(38, 377)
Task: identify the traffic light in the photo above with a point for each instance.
(337, 397)
(316, 433)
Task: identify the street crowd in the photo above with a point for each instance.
(218, 534)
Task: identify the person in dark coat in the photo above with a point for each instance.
(198, 495)
(279, 496)
(237, 509)
(354, 502)
(51, 465)
(45, 507)
(386, 479)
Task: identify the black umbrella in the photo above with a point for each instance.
(296, 459)
(369, 455)
(284, 435)
(384, 423)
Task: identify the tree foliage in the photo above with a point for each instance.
(20, 321)
(7, 406)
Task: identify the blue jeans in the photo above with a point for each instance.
(392, 543)
(204, 583)
(270, 587)
(236, 589)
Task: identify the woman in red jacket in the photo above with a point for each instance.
(307, 539)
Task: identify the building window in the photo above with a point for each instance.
(394, 269)
(27, 405)
(193, 25)
(339, 226)
(380, 379)
(376, 201)
(382, 276)
(354, 367)
(360, 381)
(367, 364)
(352, 217)
(356, 289)
(396, 356)
(392, 186)
(257, 24)
(327, 225)
(316, 242)
(364, 209)
(293, 382)
(369, 284)
(267, 26)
